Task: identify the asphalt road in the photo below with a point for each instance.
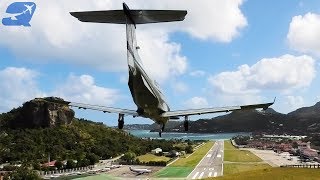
(211, 165)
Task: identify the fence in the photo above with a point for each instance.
(315, 166)
(44, 173)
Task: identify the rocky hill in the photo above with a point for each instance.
(40, 113)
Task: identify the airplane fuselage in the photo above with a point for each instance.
(146, 95)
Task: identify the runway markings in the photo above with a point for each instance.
(211, 169)
(195, 175)
(209, 155)
(219, 155)
(215, 174)
(200, 177)
(204, 168)
(210, 174)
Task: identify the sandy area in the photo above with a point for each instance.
(275, 159)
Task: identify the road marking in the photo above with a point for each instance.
(209, 155)
(211, 169)
(219, 155)
(204, 168)
(195, 175)
(215, 174)
(210, 174)
(200, 177)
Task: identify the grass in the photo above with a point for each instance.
(242, 160)
(232, 168)
(184, 166)
(195, 158)
(235, 155)
(152, 157)
(275, 174)
(174, 172)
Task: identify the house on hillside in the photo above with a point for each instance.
(156, 151)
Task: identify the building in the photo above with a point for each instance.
(156, 151)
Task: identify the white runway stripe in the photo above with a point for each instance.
(215, 174)
(210, 174)
(201, 175)
(195, 175)
(209, 155)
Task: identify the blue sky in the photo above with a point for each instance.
(224, 53)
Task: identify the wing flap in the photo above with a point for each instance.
(189, 112)
(104, 109)
(94, 107)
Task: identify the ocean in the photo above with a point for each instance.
(184, 136)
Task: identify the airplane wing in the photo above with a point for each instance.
(214, 110)
(96, 107)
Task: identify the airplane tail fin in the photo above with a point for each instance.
(135, 16)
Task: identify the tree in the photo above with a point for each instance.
(58, 164)
(24, 173)
(92, 158)
(129, 156)
(70, 164)
(189, 149)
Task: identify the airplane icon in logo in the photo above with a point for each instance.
(19, 14)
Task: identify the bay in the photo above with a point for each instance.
(184, 136)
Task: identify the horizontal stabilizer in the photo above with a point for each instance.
(138, 16)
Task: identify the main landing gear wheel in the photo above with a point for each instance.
(121, 121)
(186, 123)
(161, 130)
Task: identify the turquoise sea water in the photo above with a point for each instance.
(191, 136)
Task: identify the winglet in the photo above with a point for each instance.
(274, 100)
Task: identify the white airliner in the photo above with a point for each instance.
(145, 91)
(140, 171)
(14, 16)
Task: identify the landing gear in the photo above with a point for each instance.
(161, 130)
(186, 123)
(120, 121)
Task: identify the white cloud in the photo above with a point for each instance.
(197, 73)
(57, 36)
(284, 73)
(304, 33)
(84, 89)
(17, 86)
(294, 102)
(196, 102)
(180, 87)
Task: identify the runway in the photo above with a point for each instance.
(211, 165)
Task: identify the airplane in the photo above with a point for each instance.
(140, 171)
(29, 8)
(14, 15)
(145, 92)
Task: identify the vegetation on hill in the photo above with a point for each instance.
(80, 140)
(306, 119)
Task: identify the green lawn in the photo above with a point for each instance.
(152, 157)
(232, 168)
(228, 145)
(174, 172)
(195, 158)
(184, 166)
(236, 155)
(275, 174)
